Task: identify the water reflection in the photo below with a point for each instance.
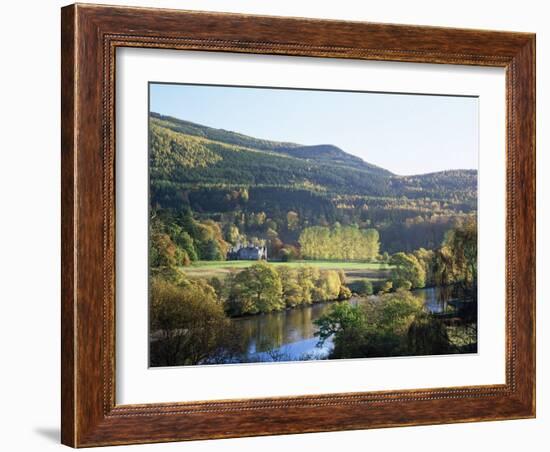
(286, 335)
(436, 299)
(290, 335)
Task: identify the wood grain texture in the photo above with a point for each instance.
(90, 36)
(68, 244)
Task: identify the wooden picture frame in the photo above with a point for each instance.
(90, 36)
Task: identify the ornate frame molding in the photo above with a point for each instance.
(90, 37)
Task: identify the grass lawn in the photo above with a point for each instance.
(353, 270)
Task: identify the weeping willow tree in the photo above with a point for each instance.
(456, 261)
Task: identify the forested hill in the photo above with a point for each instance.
(323, 153)
(184, 153)
(229, 177)
(224, 136)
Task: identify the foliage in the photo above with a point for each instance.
(213, 189)
(188, 325)
(341, 318)
(339, 242)
(456, 260)
(179, 239)
(164, 252)
(377, 328)
(344, 293)
(256, 289)
(386, 287)
(295, 187)
(172, 153)
(407, 272)
(462, 241)
(363, 287)
(265, 287)
(428, 335)
(426, 259)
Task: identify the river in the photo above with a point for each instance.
(290, 335)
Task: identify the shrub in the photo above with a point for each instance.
(363, 287)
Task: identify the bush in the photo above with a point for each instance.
(363, 287)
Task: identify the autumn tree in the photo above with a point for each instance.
(187, 323)
(258, 288)
(407, 271)
(339, 242)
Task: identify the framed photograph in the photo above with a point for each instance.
(281, 225)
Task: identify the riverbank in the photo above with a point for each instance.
(290, 334)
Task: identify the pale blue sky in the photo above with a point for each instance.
(406, 134)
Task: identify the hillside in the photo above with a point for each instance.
(186, 153)
(224, 136)
(218, 172)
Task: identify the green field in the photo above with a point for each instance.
(353, 270)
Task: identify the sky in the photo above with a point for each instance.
(406, 134)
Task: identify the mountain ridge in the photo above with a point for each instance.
(321, 152)
(187, 154)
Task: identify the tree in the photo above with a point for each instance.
(210, 251)
(344, 294)
(443, 267)
(292, 220)
(426, 259)
(274, 247)
(386, 287)
(326, 286)
(210, 240)
(305, 280)
(188, 325)
(289, 253)
(428, 335)
(256, 289)
(232, 234)
(377, 328)
(293, 293)
(341, 317)
(462, 241)
(456, 261)
(407, 271)
(164, 252)
(363, 287)
(339, 242)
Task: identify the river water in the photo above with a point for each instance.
(290, 335)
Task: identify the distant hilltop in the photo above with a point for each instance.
(208, 156)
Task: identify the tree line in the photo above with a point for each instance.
(189, 319)
(263, 288)
(177, 239)
(395, 324)
(453, 263)
(339, 243)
